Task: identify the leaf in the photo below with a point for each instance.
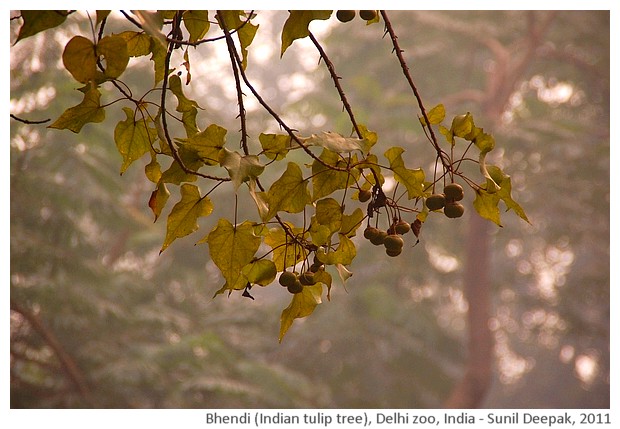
(275, 146)
(486, 204)
(462, 125)
(197, 23)
(240, 168)
(485, 142)
(289, 193)
(261, 272)
(505, 191)
(89, 110)
(208, 143)
(175, 173)
(80, 59)
(286, 252)
(133, 138)
(325, 180)
(296, 25)
(152, 170)
(101, 15)
(329, 213)
(245, 30)
(185, 105)
(336, 142)
(138, 43)
(350, 223)
(114, 51)
(344, 273)
(231, 249)
(302, 305)
(158, 200)
(158, 51)
(152, 22)
(413, 180)
(182, 220)
(435, 116)
(36, 21)
(344, 254)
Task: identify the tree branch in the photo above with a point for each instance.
(68, 364)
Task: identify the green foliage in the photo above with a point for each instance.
(303, 214)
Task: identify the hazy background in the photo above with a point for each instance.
(143, 329)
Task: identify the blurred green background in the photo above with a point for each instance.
(143, 330)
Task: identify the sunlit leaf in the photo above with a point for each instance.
(240, 168)
(89, 110)
(158, 51)
(289, 193)
(197, 23)
(138, 43)
(435, 116)
(232, 247)
(296, 25)
(152, 22)
(462, 125)
(36, 21)
(182, 220)
(413, 180)
(80, 59)
(486, 205)
(152, 170)
(302, 305)
(114, 51)
(133, 137)
(261, 272)
(325, 180)
(505, 191)
(485, 142)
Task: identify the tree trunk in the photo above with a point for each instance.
(470, 391)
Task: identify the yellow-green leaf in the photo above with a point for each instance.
(36, 21)
(114, 51)
(275, 146)
(138, 43)
(413, 180)
(240, 168)
(344, 254)
(152, 170)
(435, 116)
(296, 25)
(197, 23)
(326, 180)
(350, 223)
(329, 213)
(208, 143)
(486, 205)
(462, 125)
(182, 220)
(286, 252)
(133, 137)
(261, 272)
(505, 191)
(80, 59)
(289, 193)
(158, 51)
(302, 305)
(89, 110)
(232, 248)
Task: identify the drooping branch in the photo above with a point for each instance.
(405, 68)
(336, 79)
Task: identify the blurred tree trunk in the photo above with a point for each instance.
(510, 66)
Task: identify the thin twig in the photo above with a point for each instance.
(26, 121)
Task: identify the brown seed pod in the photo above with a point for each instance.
(453, 192)
(454, 210)
(436, 202)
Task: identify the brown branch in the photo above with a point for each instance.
(68, 364)
(336, 79)
(405, 68)
(26, 121)
(231, 50)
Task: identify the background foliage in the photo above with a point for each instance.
(142, 328)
